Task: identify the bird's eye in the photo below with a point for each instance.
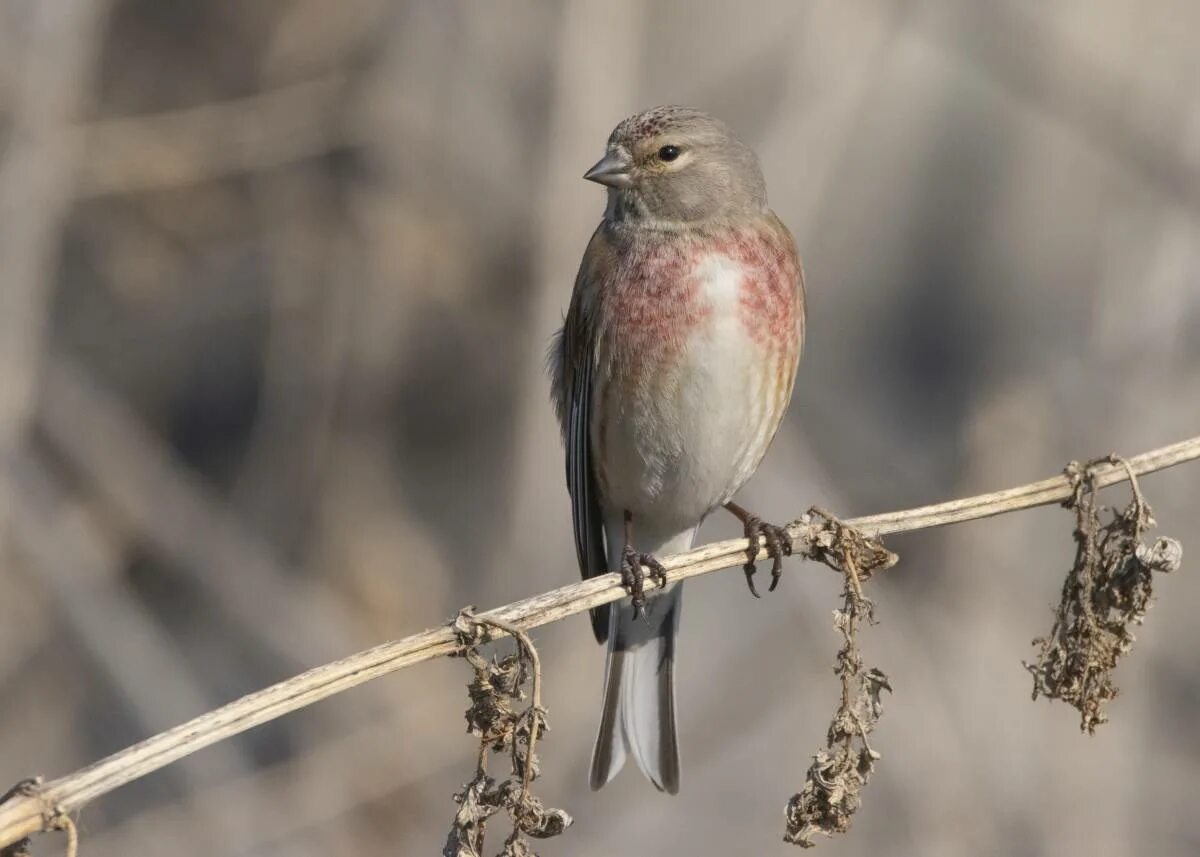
(668, 153)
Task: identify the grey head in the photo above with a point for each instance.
(673, 166)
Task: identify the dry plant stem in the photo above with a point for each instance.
(536, 694)
(509, 730)
(1042, 493)
(53, 816)
(24, 815)
(1104, 598)
(832, 791)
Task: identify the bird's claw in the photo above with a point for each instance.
(633, 577)
(779, 545)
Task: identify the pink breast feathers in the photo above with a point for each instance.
(658, 301)
(768, 294)
(656, 305)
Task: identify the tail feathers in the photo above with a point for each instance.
(639, 694)
(608, 756)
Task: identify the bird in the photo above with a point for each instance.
(670, 376)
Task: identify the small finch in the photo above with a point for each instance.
(671, 374)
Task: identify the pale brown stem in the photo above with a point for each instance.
(24, 815)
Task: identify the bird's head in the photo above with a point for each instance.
(674, 166)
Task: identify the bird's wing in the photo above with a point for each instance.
(574, 363)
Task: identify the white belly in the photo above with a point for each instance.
(687, 439)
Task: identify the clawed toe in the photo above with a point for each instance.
(633, 577)
(778, 543)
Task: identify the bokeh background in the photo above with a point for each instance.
(276, 284)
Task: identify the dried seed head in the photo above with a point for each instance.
(1106, 593)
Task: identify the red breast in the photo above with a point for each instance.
(655, 302)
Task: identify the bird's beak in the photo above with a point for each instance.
(612, 170)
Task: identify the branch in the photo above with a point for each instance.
(44, 807)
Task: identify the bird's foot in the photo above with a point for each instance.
(779, 545)
(633, 576)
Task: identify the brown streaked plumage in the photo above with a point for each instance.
(671, 374)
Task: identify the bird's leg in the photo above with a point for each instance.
(632, 576)
(779, 545)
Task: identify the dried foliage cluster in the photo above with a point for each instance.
(503, 729)
(1106, 593)
(839, 772)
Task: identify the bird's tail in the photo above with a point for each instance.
(639, 680)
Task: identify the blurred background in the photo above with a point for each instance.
(276, 285)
